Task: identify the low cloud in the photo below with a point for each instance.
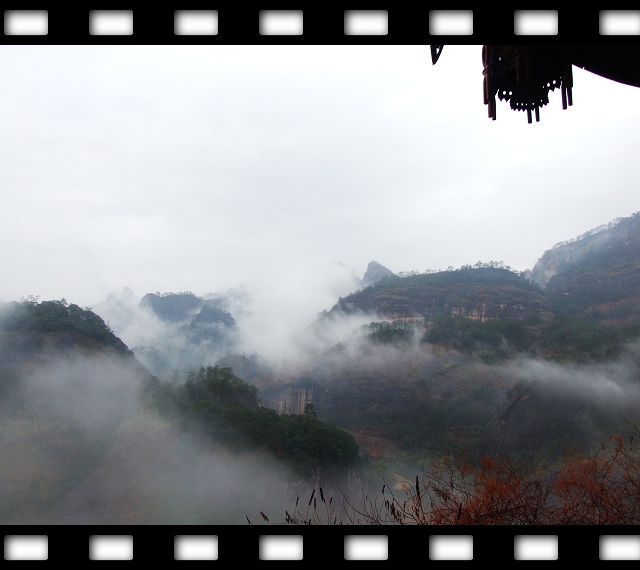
(605, 384)
(78, 447)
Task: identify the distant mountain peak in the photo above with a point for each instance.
(375, 272)
(172, 307)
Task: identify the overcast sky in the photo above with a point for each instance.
(206, 167)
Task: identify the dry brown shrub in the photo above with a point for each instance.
(598, 488)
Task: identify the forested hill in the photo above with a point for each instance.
(600, 241)
(483, 291)
(597, 275)
(59, 325)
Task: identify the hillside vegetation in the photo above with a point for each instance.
(222, 406)
(64, 324)
(486, 291)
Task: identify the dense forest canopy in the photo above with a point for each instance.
(219, 404)
(56, 317)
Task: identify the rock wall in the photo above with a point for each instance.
(290, 401)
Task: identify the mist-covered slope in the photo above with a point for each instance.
(596, 274)
(553, 408)
(170, 332)
(67, 382)
(90, 437)
(593, 284)
(569, 252)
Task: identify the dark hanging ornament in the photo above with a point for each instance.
(523, 75)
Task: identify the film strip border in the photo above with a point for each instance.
(237, 545)
(255, 543)
(237, 24)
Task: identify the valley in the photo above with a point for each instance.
(408, 370)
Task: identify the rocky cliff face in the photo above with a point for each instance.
(337, 396)
(293, 400)
(484, 303)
